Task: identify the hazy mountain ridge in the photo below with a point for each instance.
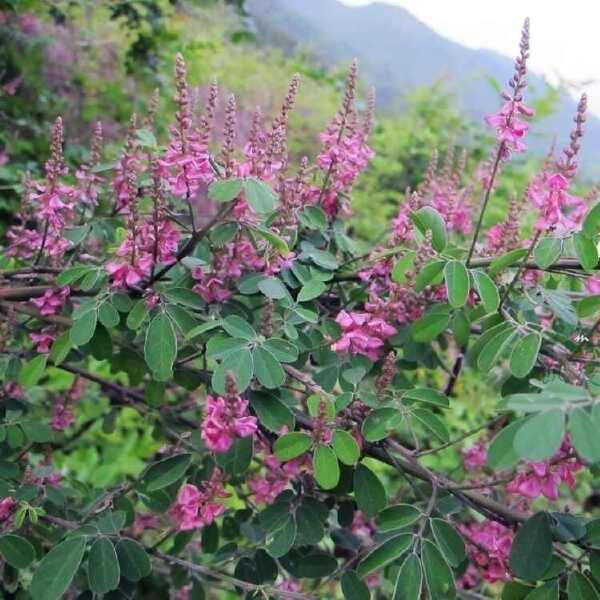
(397, 52)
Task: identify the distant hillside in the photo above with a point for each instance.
(397, 52)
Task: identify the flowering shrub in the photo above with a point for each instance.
(298, 391)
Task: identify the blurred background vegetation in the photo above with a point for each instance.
(90, 61)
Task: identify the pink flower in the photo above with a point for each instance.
(362, 333)
(592, 284)
(7, 506)
(229, 263)
(475, 457)
(52, 301)
(144, 521)
(124, 275)
(558, 210)
(226, 419)
(510, 131)
(544, 478)
(62, 416)
(277, 476)
(488, 547)
(43, 340)
(194, 507)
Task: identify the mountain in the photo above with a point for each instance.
(398, 52)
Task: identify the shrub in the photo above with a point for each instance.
(298, 393)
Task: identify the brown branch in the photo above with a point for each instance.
(245, 585)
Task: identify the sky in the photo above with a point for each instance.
(565, 36)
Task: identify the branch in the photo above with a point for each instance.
(245, 585)
(408, 463)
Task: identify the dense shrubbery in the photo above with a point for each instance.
(281, 403)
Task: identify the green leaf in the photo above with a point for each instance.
(160, 347)
(72, 274)
(380, 422)
(432, 423)
(449, 542)
(457, 283)
(591, 223)
(587, 307)
(580, 588)
(273, 288)
(54, 574)
(403, 266)
(60, 349)
(326, 467)
(429, 219)
(31, 371)
(313, 217)
(541, 435)
(439, 577)
(427, 396)
(225, 190)
(428, 274)
(369, 492)
(487, 290)
(384, 554)
(309, 524)
(167, 471)
(547, 591)
(108, 315)
(16, 550)
(279, 542)
(291, 445)
(281, 349)
(240, 364)
(267, 369)
(272, 238)
(506, 260)
(260, 196)
(200, 329)
(237, 327)
(429, 326)
(345, 447)
(310, 290)
(184, 296)
(83, 328)
(584, 427)
(409, 581)
(220, 347)
(146, 138)
(137, 315)
(547, 251)
(237, 459)
(524, 354)
(531, 550)
(501, 452)
(133, 560)
(316, 565)
(398, 516)
(103, 566)
(271, 412)
(495, 348)
(353, 587)
(586, 251)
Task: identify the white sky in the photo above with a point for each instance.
(565, 36)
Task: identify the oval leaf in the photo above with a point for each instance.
(326, 467)
(457, 283)
(524, 354)
(103, 566)
(54, 574)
